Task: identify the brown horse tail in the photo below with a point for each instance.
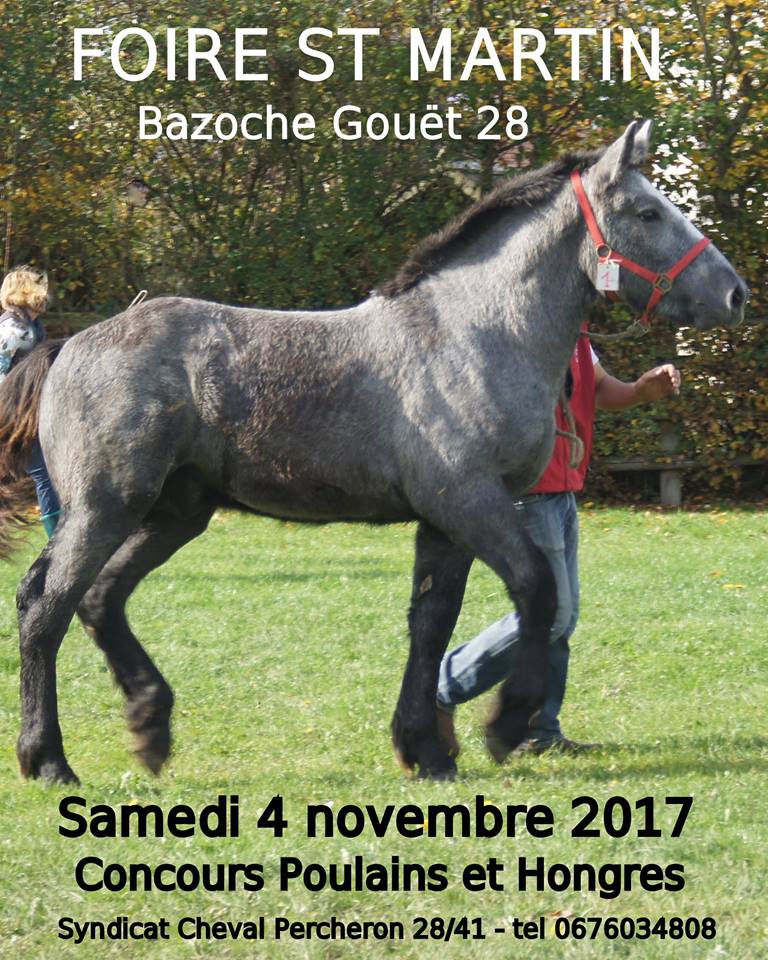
(19, 411)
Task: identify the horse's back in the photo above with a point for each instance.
(276, 410)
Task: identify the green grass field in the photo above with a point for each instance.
(285, 646)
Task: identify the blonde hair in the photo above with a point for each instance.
(25, 286)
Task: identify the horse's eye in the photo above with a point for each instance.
(647, 215)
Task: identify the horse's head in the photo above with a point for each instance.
(638, 223)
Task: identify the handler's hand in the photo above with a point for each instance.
(657, 383)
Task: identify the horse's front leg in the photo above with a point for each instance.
(439, 577)
(482, 518)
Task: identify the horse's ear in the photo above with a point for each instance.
(630, 150)
(642, 145)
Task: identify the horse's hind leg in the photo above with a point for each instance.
(46, 601)
(439, 577)
(149, 699)
(531, 586)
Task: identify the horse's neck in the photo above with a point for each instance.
(522, 284)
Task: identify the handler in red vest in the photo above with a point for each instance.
(549, 515)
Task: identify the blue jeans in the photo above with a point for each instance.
(46, 495)
(552, 523)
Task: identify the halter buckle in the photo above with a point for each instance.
(603, 251)
(663, 283)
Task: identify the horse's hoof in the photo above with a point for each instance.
(402, 762)
(505, 734)
(498, 748)
(149, 720)
(41, 760)
(57, 771)
(508, 726)
(446, 733)
(153, 747)
(51, 770)
(445, 774)
(425, 772)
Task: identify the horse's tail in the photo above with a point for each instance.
(19, 414)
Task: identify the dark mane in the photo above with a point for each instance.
(526, 190)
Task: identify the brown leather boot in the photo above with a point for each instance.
(446, 732)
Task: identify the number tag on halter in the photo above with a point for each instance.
(608, 275)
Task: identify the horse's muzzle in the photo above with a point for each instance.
(724, 305)
(736, 301)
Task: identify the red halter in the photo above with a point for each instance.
(661, 282)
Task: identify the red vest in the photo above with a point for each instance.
(559, 476)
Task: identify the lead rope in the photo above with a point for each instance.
(577, 444)
(636, 329)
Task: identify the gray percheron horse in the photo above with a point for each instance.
(432, 400)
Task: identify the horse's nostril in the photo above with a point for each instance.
(737, 298)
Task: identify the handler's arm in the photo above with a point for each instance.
(613, 394)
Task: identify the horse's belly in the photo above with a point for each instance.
(320, 502)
